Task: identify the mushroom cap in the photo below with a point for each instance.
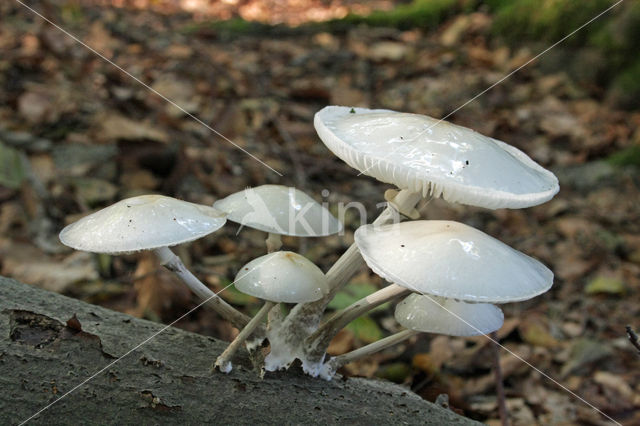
(142, 223)
(282, 276)
(279, 210)
(452, 260)
(433, 314)
(433, 157)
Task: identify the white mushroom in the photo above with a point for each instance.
(452, 260)
(282, 276)
(145, 222)
(424, 157)
(279, 210)
(428, 314)
(439, 258)
(434, 157)
(152, 222)
(433, 314)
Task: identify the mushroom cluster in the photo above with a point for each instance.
(448, 275)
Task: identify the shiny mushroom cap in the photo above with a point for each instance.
(433, 314)
(142, 223)
(434, 157)
(282, 276)
(452, 260)
(279, 210)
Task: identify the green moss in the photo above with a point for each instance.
(626, 87)
(629, 156)
(545, 20)
(417, 14)
(611, 40)
(621, 33)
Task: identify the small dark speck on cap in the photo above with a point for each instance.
(401, 245)
(467, 162)
(352, 111)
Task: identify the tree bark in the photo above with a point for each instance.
(43, 355)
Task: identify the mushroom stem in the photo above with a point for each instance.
(274, 242)
(336, 362)
(275, 317)
(173, 263)
(322, 337)
(223, 362)
(305, 318)
(351, 260)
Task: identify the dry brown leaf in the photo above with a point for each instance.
(616, 383)
(341, 343)
(157, 289)
(27, 264)
(111, 127)
(534, 329)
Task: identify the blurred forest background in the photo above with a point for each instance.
(76, 134)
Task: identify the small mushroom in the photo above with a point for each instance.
(433, 314)
(428, 314)
(152, 222)
(439, 258)
(282, 276)
(279, 210)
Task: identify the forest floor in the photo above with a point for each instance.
(77, 134)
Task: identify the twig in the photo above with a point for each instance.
(298, 171)
(502, 406)
(633, 338)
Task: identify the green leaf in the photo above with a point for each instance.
(396, 372)
(13, 167)
(602, 284)
(365, 329)
(351, 293)
(234, 296)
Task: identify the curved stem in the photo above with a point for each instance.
(173, 263)
(351, 260)
(223, 362)
(341, 360)
(304, 318)
(275, 317)
(273, 242)
(322, 337)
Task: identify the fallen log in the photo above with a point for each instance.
(49, 344)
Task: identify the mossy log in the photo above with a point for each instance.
(50, 343)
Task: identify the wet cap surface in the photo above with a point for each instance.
(282, 276)
(433, 157)
(452, 260)
(142, 223)
(433, 314)
(280, 210)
